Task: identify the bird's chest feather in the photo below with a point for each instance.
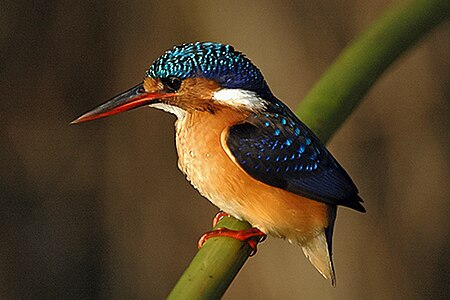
(201, 155)
(202, 158)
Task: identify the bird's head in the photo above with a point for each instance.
(200, 76)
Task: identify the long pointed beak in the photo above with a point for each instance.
(132, 98)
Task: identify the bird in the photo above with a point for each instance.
(243, 149)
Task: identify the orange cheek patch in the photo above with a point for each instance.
(199, 88)
(152, 85)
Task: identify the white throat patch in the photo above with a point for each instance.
(180, 113)
(240, 98)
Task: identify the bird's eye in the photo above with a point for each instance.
(172, 84)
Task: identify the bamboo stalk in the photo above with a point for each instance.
(324, 109)
(360, 64)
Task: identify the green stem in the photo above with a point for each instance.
(215, 265)
(360, 64)
(324, 109)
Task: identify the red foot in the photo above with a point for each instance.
(219, 216)
(251, 236)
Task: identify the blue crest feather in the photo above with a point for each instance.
(214, 61)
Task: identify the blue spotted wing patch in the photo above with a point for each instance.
(279, 150)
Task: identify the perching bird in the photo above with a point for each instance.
(243, 149)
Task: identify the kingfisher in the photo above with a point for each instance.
(243, 149)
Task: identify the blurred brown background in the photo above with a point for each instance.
(101, 210)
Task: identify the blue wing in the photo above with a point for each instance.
(278, 149)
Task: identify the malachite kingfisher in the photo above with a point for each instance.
(243, 149)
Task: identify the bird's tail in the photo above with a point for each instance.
(319, 249)
(316, 250)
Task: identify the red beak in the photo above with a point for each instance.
(132, 98)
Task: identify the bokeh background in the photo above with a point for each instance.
(100, 211)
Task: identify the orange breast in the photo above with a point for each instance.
(209, 168)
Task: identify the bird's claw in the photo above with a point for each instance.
(251, 236)
(219, 216)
